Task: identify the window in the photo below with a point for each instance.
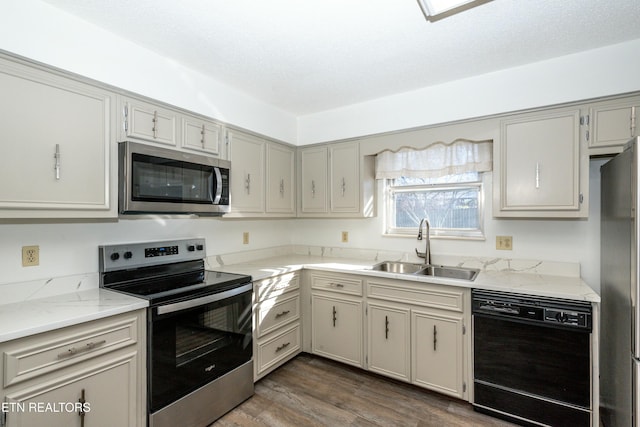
(451, 203)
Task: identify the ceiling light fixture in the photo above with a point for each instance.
(438, 9)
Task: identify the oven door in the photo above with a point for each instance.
(193, 342)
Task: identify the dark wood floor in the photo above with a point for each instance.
(312, 391)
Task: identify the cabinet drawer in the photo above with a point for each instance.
(346, 285)
(278, 348)
(43, 353)
(428, 295)
(274, 286)
(276, 312)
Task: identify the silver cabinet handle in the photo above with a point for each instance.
(343, 186)
(282, 186)
(282, 347)
(313, 188)
(56, 156)
(247, 183)
(81, 411)
(633, 121)
(336, 285)
(202, 141)
(537, 175)
(155, 124)
(73, 350)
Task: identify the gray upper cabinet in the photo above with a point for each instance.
(149, 122)
(59, 159)
(540, 166)
(202, 135)
(281, 179)
(336, 181)
(262, 177)
(611, 124)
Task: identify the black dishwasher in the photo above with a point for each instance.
(532, 358)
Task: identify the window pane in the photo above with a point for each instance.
(446, 208)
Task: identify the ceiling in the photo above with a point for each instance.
(307, 56)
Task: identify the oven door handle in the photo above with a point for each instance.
(183, 305)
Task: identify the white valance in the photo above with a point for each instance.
(435, 160)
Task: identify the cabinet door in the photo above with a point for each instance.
(613, 123)
(201, 135)
(389, 341)
(314, 180)
(109, 393)
(150, 122)
(437, 352)
(345, 178)
(337, 328)
(247, 172)
(56, 135)
(540, 164)
(280, 179)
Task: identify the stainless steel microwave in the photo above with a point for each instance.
(160, 180)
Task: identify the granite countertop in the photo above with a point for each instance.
(521, 278)
(33, 316)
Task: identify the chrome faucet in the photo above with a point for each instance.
(427, 247)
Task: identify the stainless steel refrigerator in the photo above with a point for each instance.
(620, 279)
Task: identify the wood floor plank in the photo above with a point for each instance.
(313, 391)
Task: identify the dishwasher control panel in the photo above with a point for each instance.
(527, 308)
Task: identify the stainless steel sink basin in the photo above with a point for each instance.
(397, 267)
(460, 273)
(400, 267)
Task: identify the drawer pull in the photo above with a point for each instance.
(73, 350)
(337, 285)
(282, 347)
(386, 327)
(284, 313)
(335, 317)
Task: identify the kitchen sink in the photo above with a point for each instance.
(400, 267)
(460, 273)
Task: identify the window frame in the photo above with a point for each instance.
(441, 233)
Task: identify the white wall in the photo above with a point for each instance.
(600, 72)
(41, 32)
(68, 249)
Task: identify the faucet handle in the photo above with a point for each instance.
(421, 254)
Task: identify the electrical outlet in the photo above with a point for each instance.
(245, 238)
(504, 243)
(345, 236)
(30, 256)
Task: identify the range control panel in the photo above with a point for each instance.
(134, 255)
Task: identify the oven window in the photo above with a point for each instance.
(195, 346)
(156, 179)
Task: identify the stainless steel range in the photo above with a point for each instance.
(199, 339)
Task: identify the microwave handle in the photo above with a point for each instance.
(183, 305)
(218, 195)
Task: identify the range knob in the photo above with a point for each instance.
(562, 317)
(191, 248)
(128, 255)
(115, 256)
(200, 247)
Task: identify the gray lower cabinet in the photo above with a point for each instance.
(91, 374)
(276, 329)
